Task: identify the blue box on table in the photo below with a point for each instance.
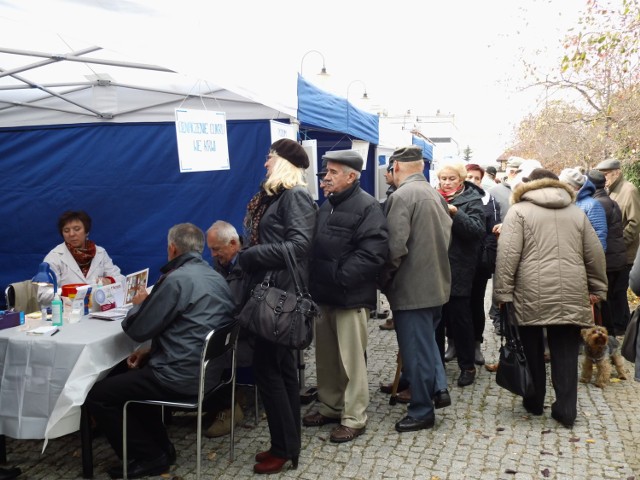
(10, 319)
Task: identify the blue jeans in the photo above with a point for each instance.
(421, 363)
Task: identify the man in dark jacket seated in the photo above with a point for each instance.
(188, 301)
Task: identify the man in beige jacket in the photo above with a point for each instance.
(626, 195)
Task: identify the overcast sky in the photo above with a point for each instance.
(462, 57)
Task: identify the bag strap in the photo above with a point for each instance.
(292, 266)
(509, 328)
(597, 314)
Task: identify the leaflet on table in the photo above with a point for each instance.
(114, 314)
(44, 330)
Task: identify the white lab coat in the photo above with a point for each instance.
(67, 270)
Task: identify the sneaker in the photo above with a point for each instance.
(222, 424)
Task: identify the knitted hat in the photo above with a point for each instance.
(573, 177)
(350, 158)
(291, 151)
(411, 153)
(538, 173)
(597, 178)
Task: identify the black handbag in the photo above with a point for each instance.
(279, 316)
(513, 372)
(628, 348)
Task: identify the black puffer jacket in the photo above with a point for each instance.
(349, 250)
(289, 218)
(467, 232)
(616, 254)
(489, 249)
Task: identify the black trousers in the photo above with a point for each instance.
(478, 315)
(564, 345)
(456, 318)
(146, 435)
(275, 370)
(606, 305)
(618, 301)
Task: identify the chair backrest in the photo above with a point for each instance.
(219, 343)
(22, 296)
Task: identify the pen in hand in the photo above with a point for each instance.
(55, 332)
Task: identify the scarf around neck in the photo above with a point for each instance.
(255, 210)
(449, 195)
(83, 255)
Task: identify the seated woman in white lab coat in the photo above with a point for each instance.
(78, 259)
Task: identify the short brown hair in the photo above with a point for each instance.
(71, 215)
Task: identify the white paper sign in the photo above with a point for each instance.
(202, 140)
(282, 130)
(362, 148)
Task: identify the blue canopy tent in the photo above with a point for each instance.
(108, 146)
(427, 153)
(334, 122)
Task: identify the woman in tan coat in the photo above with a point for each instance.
(551, 265)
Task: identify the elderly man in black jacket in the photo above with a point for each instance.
(348, 251)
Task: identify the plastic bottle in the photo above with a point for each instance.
(56, 311)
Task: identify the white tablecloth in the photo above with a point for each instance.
(45, 379)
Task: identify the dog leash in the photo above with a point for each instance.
(597, 314)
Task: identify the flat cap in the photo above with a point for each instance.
(609, 164)
(322, 171)
(412, 153)
(514, 162)
(491, 171)
(350, 158)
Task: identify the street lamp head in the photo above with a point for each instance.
(322, 72)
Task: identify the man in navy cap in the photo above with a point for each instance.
(348, 251)
(626, 195)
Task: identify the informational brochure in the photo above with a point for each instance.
(135, 280)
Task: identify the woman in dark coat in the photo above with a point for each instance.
(282, 211)
(464, 200)
(486, 260)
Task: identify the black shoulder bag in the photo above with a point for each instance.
(513, 372)
(280, 316)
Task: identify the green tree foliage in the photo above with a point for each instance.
(600, 74)
(468, 154)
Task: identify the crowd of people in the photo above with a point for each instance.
(556, 246)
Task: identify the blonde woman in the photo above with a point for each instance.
(464, 200)
(281, 211)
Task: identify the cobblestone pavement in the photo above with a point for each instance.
(484, 434)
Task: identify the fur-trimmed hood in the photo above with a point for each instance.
(546, 192)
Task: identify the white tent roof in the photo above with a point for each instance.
(48, 78)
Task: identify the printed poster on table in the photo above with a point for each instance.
(202, 140)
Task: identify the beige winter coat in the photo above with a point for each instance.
(549, 257)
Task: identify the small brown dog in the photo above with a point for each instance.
(596, 351)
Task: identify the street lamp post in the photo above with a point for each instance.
(364, 97)
(323, 72)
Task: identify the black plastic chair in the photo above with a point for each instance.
(218, 343)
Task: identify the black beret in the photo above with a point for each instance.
(350, 158)
(491, 171)
(292, 151)
(411, 153)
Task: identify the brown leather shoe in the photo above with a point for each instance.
(404, 396)
(344, 434)
(388, 325)
(316, 419)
